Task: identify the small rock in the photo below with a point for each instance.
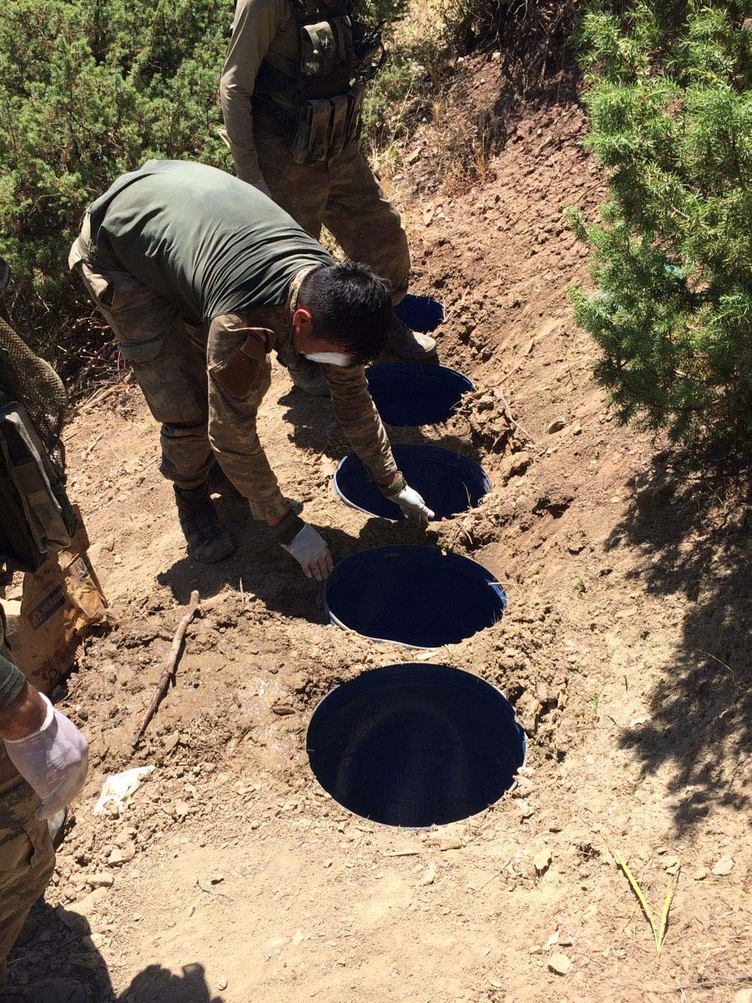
(559, 963)
(542, 860)
(428, 876)
(556, 426)
(523, 787)
(700, 874)
(171, 742)
(222, 984)
(73, 920)
(515, 465)
(723, 866)
(449, 843)
(99, 880)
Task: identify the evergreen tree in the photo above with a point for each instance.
(670, 111)
(91, 89)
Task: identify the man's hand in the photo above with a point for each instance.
(311, 552)
(52, 759)
(412, 505)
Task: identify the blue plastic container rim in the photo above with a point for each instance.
(397, 552)
(450, 385)
(442, 455)
(330, 700)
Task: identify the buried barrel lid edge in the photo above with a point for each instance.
(408, 394)
(416, 596)
(415, 744)
(449, 482)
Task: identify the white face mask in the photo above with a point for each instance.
(330, 358)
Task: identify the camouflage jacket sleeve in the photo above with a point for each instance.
(256, 24)
(239, 376)
(11, 682)
(360, 420)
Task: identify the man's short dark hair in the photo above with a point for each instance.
(350, 306)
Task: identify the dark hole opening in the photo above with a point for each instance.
(413, 595)
(449, 483)
(415, 745)
(407, 394)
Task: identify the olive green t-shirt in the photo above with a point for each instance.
(203, 239)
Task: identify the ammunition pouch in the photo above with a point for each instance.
(35, 514)
(326, 48)
(326, 126)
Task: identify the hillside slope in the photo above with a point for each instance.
(624, 649)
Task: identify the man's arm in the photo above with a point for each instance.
(257, 22)
(46, 748)
(239, 376)
(18, 708)
(361, 422)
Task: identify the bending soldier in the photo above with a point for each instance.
(197, 271)
(291, 92)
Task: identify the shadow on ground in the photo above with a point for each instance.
(56, 961)
(314, 428)
(260, 567)
(696, 536)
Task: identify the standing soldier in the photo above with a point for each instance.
(291, 91)
(200, 277)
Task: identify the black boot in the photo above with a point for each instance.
(207, 540)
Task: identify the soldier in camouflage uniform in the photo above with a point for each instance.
(43, 762)
(200, 277)
(43, 756)
(291, 92)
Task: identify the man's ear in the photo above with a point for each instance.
(302, 321)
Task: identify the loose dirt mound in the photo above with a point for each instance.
(232, 876)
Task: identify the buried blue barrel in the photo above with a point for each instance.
(408, 394)
(421, 313)
(449, 483)
(415, 744)
(416, 596)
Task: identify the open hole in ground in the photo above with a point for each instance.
(416, 596)
(409, 394)
(415, 745)
(448, 482)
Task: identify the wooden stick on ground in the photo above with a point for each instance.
(170, 667)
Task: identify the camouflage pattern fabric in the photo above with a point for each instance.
(344, 195)
(27, 859)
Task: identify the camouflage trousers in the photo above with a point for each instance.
(27, 859)
(167, 355)
(344, 195)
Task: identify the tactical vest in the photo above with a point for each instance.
(336, 56)
(35, 513)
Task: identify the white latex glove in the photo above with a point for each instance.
(413, 506)
(311, 552)
(52, 760)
